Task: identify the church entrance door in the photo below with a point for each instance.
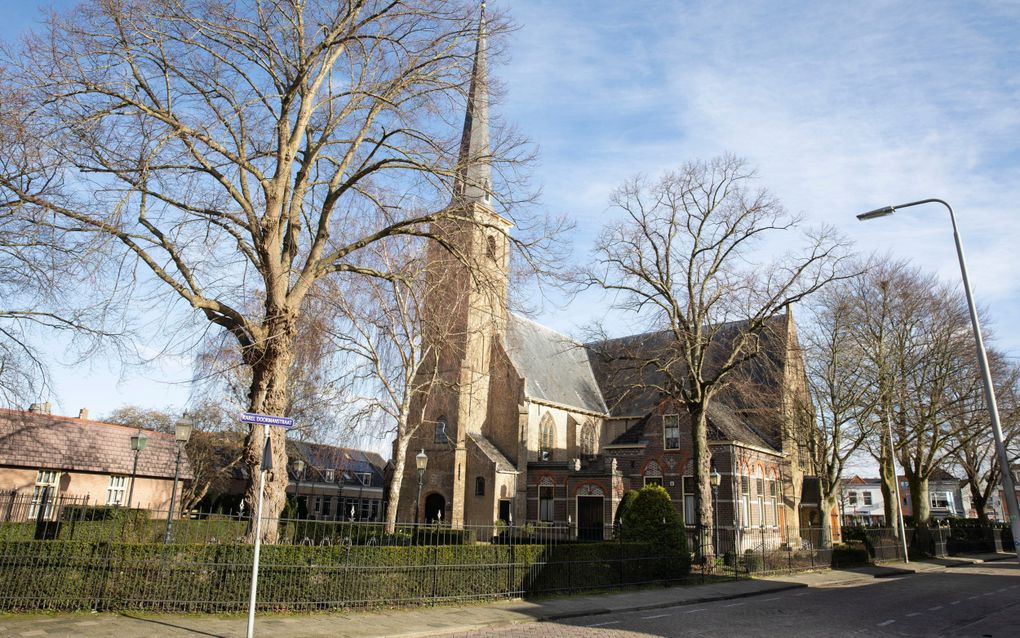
(589, 518)
(435, 505)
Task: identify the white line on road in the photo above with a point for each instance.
(916, 613)
(691, 611)
(935, 608)
(735, 605)
(972, 598)
(956, 602)
(768, 600)
(653, 617)
(803, 593)
(603, 624)
(888, 622)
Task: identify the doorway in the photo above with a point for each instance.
(435, 507)
(589, 518)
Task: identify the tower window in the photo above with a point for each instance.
(491, 248)
(441, 436)
(479, 486)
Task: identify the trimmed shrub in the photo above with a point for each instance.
(651, 518)
(851, 554)
(625, 504)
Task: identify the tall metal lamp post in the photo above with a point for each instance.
(421, 461)
(986, 375)
(138, 441)
(715, 479)
(182, 432)
(299, 470)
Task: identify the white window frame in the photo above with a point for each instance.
(666, 427)
(116, 489)
(329, 475)
(868, 498)
(44, 479)
(687, 485)
(745, 501)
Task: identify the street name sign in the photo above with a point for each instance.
(265, 419)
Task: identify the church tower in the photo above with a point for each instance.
(466, 309)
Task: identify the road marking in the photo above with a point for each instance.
(603, 624)
(691, 611)
(972, 598)
(803, 593)
(1003, 589)
(956, 602)
(735, 605)
(916, 613)
(888, 622)
(935, 608)
(653, 617)
(768, 600)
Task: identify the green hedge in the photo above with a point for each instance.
(852, 554)
(207, 578)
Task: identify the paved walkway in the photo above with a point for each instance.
(446, 620)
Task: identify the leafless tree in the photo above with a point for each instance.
(683, 259)
(840, 383)
(245, 150)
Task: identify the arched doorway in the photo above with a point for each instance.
(435, 508)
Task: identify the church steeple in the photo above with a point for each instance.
(473, 181)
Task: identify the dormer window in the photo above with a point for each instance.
(365, 478)
(329, 475)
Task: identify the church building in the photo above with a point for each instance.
(524, 425)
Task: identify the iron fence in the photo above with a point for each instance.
(87, 557)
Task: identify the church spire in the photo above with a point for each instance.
(473, 181)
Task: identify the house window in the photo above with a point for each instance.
(327, 504)
(441, 436)
(45, 488)
(867, 498)
(852, 498)
(329, 475)
(365, 478)
(671, 432)
(653, 480)
(545, 503)
(774, 501)
(745, 501)
(115, 490)
(690, 516)
(941, 500)
(546, 438)
(479, 486)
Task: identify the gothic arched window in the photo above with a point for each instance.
(479, 486)
(546, 437)
(441, 436)
(588, 440)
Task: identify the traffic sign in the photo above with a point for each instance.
(265, 419)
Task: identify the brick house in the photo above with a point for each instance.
(46, 456)
(526, 424)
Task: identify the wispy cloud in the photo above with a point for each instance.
(842, 107)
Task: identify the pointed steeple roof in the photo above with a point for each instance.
(473, 181)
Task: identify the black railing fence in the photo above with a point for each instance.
(80, 556)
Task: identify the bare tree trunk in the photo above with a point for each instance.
(269, 396)
(888, 486)
(828, 504)
(399, 459)
(920, 505)
(701, 459)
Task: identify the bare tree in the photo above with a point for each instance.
(245, 150)
(840, 384)
(682, 258)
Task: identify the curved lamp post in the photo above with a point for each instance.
(182, 432)
(421, 461)
(715, 479)
(986, 375)
(138, 441)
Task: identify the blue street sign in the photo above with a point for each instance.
(265, 419)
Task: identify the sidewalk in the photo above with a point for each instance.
(430, 621)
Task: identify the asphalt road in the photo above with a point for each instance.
(981, 601)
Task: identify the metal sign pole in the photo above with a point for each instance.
(267, 464)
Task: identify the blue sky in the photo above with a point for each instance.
(843, 107)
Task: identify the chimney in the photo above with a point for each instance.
(40, 408)
(83, 414)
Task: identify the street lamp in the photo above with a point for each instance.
(421, 461)
(715, 479)
(986, 374)
(182, 432)
(299, 470)
(138, 441)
